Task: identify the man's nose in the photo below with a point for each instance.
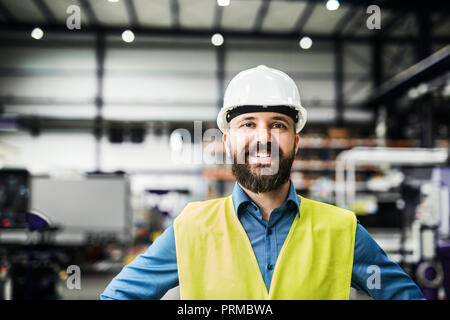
(263, 135)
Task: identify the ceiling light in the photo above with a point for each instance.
(128, 36)
(413, 93)
(113, 0)
(422, 88)
(37, 33)
(223, 3)
(446, 90)
(332, 5)
(217, 39)
(305, 43)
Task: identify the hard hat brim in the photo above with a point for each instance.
(223, 124)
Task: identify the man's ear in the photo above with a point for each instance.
(226, 142)
(297, 142)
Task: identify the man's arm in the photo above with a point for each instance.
(369, 258)
(150, 275)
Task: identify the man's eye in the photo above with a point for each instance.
(279, 126)
(247, 124)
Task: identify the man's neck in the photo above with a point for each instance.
(268, 201)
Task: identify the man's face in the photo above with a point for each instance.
(263, 146)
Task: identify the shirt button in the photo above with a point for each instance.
(269, 231)
(269, 267)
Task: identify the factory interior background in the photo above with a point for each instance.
(105, 106)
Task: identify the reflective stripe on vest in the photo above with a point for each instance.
(216, 260)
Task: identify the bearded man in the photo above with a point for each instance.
(264, 241)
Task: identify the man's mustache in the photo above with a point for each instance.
(255, 148)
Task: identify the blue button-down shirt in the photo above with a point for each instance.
(154, 272)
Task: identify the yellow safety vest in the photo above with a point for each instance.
(216, 260)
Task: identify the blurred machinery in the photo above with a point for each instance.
(154, 211)
(91, 208)
(14, 197)
(28, 270)
(163, 206)
(431, 232)
(48, 223)
(419, 187)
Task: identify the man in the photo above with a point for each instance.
(264, 241)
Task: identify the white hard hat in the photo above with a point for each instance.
(261, 89)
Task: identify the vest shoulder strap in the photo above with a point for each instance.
(324, 209)
(198, 209)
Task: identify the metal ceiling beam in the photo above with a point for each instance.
(391, 22)
(361, 20)
(357, 57)
(400, 6)
(396, 60)
(131, 11)
(261, 15)
(394, 63)
(4, 11)
(218, 13)
(45, 11)
(377, 72)
(357, 86)
(339, 82)
(206, 33)
(303, 18)
(50, 123)
(357, 23)
(87, 8)
(377, 62)
(442, 19)
(385, 25)
(99, 101)
(89, 73)
(67, 124)
(423, 47)
(344, 21)
(175, 13)
(416, 6)
(220, 75)
(426, 70)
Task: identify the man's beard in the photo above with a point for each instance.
(261, 183)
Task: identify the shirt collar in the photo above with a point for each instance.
(241, 199)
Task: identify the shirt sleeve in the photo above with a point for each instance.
(376, 275)
(150, 275)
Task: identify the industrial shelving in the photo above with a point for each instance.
(316, 158)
